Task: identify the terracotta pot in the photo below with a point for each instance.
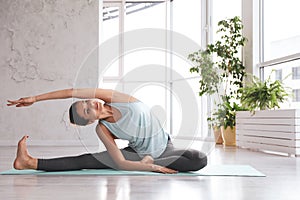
(218, 135)
(229, 136)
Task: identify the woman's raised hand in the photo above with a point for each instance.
(25, 101)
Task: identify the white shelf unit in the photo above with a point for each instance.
(269, 130)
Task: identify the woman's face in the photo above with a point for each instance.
(89, 109)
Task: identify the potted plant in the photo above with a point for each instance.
(228, 116)
(209, 84)
(214, 122)
(263, 95)
(220, 66)
(265, 127)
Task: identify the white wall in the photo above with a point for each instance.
(43, 45)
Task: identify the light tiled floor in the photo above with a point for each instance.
(282, 181)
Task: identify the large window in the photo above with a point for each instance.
(281, 32)
(186, 20)
(223, 10)
(121, 19)
(111, 28)
(280, 44)
(193, 21)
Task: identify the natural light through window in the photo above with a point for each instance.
(281, 45)
(281, 28)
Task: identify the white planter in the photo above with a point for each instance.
(272, 130)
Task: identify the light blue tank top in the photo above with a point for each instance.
(140, 127)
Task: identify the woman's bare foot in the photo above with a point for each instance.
(23, 159)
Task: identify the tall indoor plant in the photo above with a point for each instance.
(222, 71)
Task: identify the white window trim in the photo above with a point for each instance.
(252, 52)
(280, 60)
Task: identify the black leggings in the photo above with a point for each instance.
(177, 159)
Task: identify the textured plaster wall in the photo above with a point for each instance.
(44, 44)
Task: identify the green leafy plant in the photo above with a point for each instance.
(227, 51)
(209, 77)
(226, 70)
(226, 113)
(263, 95)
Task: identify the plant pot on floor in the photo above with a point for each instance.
(218, 135)
(229, 136)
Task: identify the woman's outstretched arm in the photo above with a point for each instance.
(27, 101)
(146, 164)
(106, 95)
(85, 93)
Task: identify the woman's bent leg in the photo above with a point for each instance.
(182, 160)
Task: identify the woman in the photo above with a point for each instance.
(121, 116)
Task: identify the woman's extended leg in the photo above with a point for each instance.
(182, 160)
(25, 161)
(100, 160)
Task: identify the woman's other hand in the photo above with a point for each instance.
(26, 101)
(157, 168)
(164, 170)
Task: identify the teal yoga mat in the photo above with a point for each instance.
(210, 170)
